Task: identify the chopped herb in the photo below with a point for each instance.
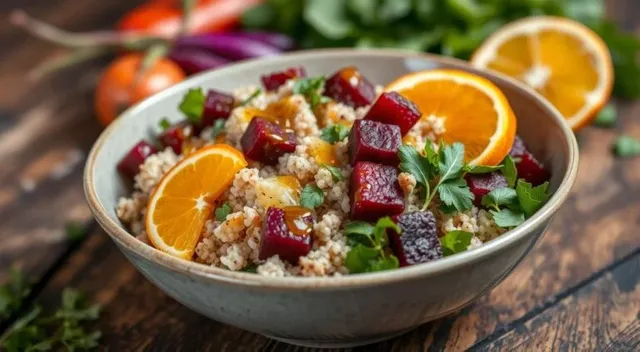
(531, 198)
(250, 268)
(510, 171)
(192, 105)
(164, 123)
(253, 95)
(482, 169)
(75, 231)
(627, 147)
(607, 116)
(334, 133)
(500, 197)
(368, 244)
(336, 173)
(12, 293)
(311, 196)
(217, 129)
(507, 218)
(455, 242)
(310, 87)
(223, 211)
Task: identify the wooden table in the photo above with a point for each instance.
(577, 290)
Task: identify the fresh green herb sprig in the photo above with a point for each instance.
(13, 293)
(253, 95)
(606, 117)
(439, 173)
(334, 133)
(222, 212)
(336, 173)
(510, 207)
(164, 123)
(369, 243)
(626, 147)
(311, 87)
(311, 196)
(192, 105)
(455, 242)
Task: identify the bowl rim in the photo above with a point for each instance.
(223, 276)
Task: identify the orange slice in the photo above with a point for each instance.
(473, 110)
(562, 59)
(184, 198)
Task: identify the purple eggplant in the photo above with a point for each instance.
(278, 40)
(194, 60)
(227, 45)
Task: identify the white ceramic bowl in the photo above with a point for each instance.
(341, 311)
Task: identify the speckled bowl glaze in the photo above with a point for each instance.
(342, 311)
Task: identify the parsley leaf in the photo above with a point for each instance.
(253, 95)
(510, 171)
(531, 198)
(310, 87)
(192, 105)
(336, 173)
(164, 123)
(606, 117)
(250, 268)
(451, 162)
(500, 197)
(416, 164)
(13, 292)
(368, 243)
(627, 147)
(455, 242)
(334, 133)
(218, 127)
(455, 193)
(507, 218)
(311, 196)
(482, 169)
(223, 211)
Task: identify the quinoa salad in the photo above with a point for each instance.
(338, 177)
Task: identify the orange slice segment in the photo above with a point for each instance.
(562, 59)
(184, 198)
(473, 110)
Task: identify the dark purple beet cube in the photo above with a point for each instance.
(130, 164)
(481, 184)
(175, 135)
(374, 141)
(418, 242)
(287, 233)
(529, 168)
(375, 191)
(394, 109)
(349, 87)
(217, 105)
(274, 80)
(266, 141)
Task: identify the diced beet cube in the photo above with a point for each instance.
(349, 87)
(481, 184)
(394, 109)
(266, 141)
(375, 191)
(287, 233)
(374, 141)
(418, 242)
(529, 168)
(175, 135)
(217, 105)
(130, 164)
(274, 80)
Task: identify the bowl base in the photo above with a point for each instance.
(338, 343)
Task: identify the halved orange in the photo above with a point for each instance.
(185, 197)
(562, 59)
(474, 111)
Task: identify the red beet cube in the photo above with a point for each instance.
(529, 168)
(374, 141)
(394, 109)
(481, 184)
(287, 233)
(217, 105)
(418, 242)
(375, 192)
(175, 135)
(130, 164)
(274, 80)
(266, 141)
(349, 87)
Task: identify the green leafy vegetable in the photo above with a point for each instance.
(164, 123)
(218, 127)
(531, 198)
(12, 293)
(507, 218)
(310, 88)
(334, 133)
(336, 173)
(500, 197)
(368, 244)
(253, 95)
(455, 242)
(223, 211)
(482, 169)
(627, 147)
(311, 196)
(510, 171)
(456, 194)
(607, 116)
(192, 105)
